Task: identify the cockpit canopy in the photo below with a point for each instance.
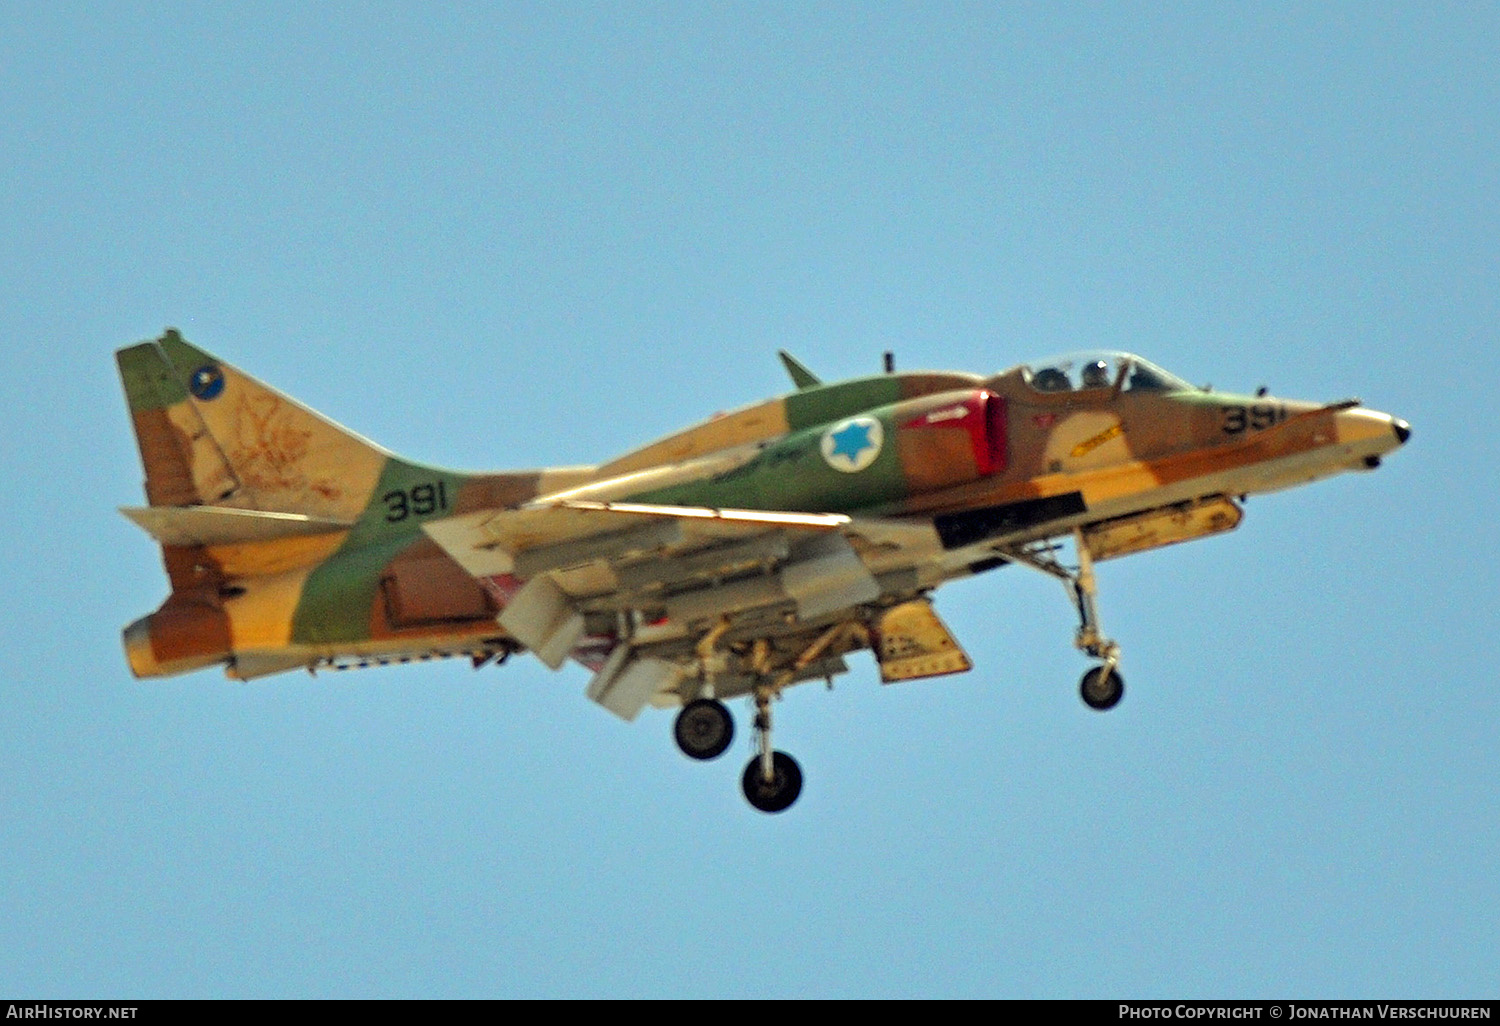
(1101, 368)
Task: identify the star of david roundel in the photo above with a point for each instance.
(207, 382)
(852, 445)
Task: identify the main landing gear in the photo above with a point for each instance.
(704, 729)
(1102, 687)
(773, 780)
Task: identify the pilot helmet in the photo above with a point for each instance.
(1050, 379)
(1096, 374)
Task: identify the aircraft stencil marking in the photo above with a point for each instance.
(421, 500)
(1256, 418)
(1088, 445)
(953, 413)
(751, 552)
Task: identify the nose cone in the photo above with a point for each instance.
(1366, 434)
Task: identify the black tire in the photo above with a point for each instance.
(703, 729)
(778, 793)
(1099, 691)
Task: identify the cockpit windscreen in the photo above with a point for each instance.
(1102, 369)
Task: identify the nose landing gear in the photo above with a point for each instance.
(1102, 687)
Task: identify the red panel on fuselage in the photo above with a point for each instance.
(953, 441)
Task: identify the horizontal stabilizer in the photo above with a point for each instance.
(220, 525)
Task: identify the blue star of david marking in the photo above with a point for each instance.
(851, 441)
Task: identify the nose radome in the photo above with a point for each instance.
(1402, 429)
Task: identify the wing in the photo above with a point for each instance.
(668, 602)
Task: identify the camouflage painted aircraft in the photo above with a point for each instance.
(748, 553)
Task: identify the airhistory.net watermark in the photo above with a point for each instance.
(43, 1010)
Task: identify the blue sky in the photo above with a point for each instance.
(507, 235)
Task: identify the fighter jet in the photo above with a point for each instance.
(746, 554)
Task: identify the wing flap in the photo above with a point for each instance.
(553, 565)
(829, 576)
(654, 535)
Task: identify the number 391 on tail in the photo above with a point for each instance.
(738, 557)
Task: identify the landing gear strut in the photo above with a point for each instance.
(704, 727)
(1102, 687)
(773, 780)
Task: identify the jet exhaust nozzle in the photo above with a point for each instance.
(180, 637)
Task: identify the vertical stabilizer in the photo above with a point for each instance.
(181, 470)
(209, 434)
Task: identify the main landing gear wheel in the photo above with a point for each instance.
(777, 793)
(704, 729)
(1102, 688)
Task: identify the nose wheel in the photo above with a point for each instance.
(1102, 688)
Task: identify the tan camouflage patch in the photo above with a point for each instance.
(285, 457)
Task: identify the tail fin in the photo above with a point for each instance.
(209, 434)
